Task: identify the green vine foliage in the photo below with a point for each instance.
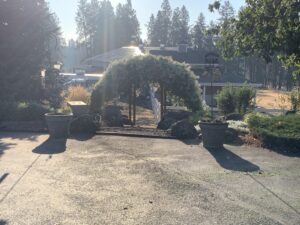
(176, 77)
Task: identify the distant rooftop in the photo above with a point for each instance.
(191, 56)
(108, 57)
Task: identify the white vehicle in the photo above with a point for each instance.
(80, 72)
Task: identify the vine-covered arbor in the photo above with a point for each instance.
(125, 77)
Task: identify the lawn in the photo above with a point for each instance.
(273, 99)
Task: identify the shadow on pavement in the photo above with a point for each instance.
(51, 146)
(4, 147)
(82, 136)
(293, 153)
(196, 141)
(3, 222)
(230, 161)
(235, 142)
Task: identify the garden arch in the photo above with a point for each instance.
(129, 75)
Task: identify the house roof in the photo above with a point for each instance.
(190, 57)
(196, 59)
(117, 54)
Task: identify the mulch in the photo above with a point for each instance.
(250, 140)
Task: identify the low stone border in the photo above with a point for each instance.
(135, 132)
(24, 126)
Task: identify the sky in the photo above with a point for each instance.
(66, 11)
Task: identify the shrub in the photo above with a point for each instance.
(24, 111)
(276, 131)
(295, 99)
(226, 100)
(65, 109)
(53, 88)
(196, 117)
(238, 125)
(244, 98)
(231, 99)
(77, 93)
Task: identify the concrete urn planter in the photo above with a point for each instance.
(213, 134)
(58, 125)
(79, 108)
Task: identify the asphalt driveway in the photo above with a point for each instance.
(121, 180)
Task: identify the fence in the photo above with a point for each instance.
(155, 106)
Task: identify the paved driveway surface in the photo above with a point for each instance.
(122, 180)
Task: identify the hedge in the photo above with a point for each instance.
(22, 111)
(276, 131)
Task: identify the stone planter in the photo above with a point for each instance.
(58, 125)
(79, 108)
(213, 134)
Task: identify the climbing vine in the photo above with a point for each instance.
(177, 79)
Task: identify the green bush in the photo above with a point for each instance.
(276, 131)
(226, 100)
(295, 99)
(53, 88)
(244, 98)
(196, 117)
(23, 111)
(231, 99)
(239, 126)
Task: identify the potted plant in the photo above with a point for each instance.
(58, 122)
(213, 131)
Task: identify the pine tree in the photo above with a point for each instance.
(164, 22)
(27, 29)
(127, 25)
(153, 39)
(184, 28)
(176, 27)
(82, 21)
(93, 26)
(211, 36)
(199, 33)
(225, 27)
(106, 27)
(227, 13)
